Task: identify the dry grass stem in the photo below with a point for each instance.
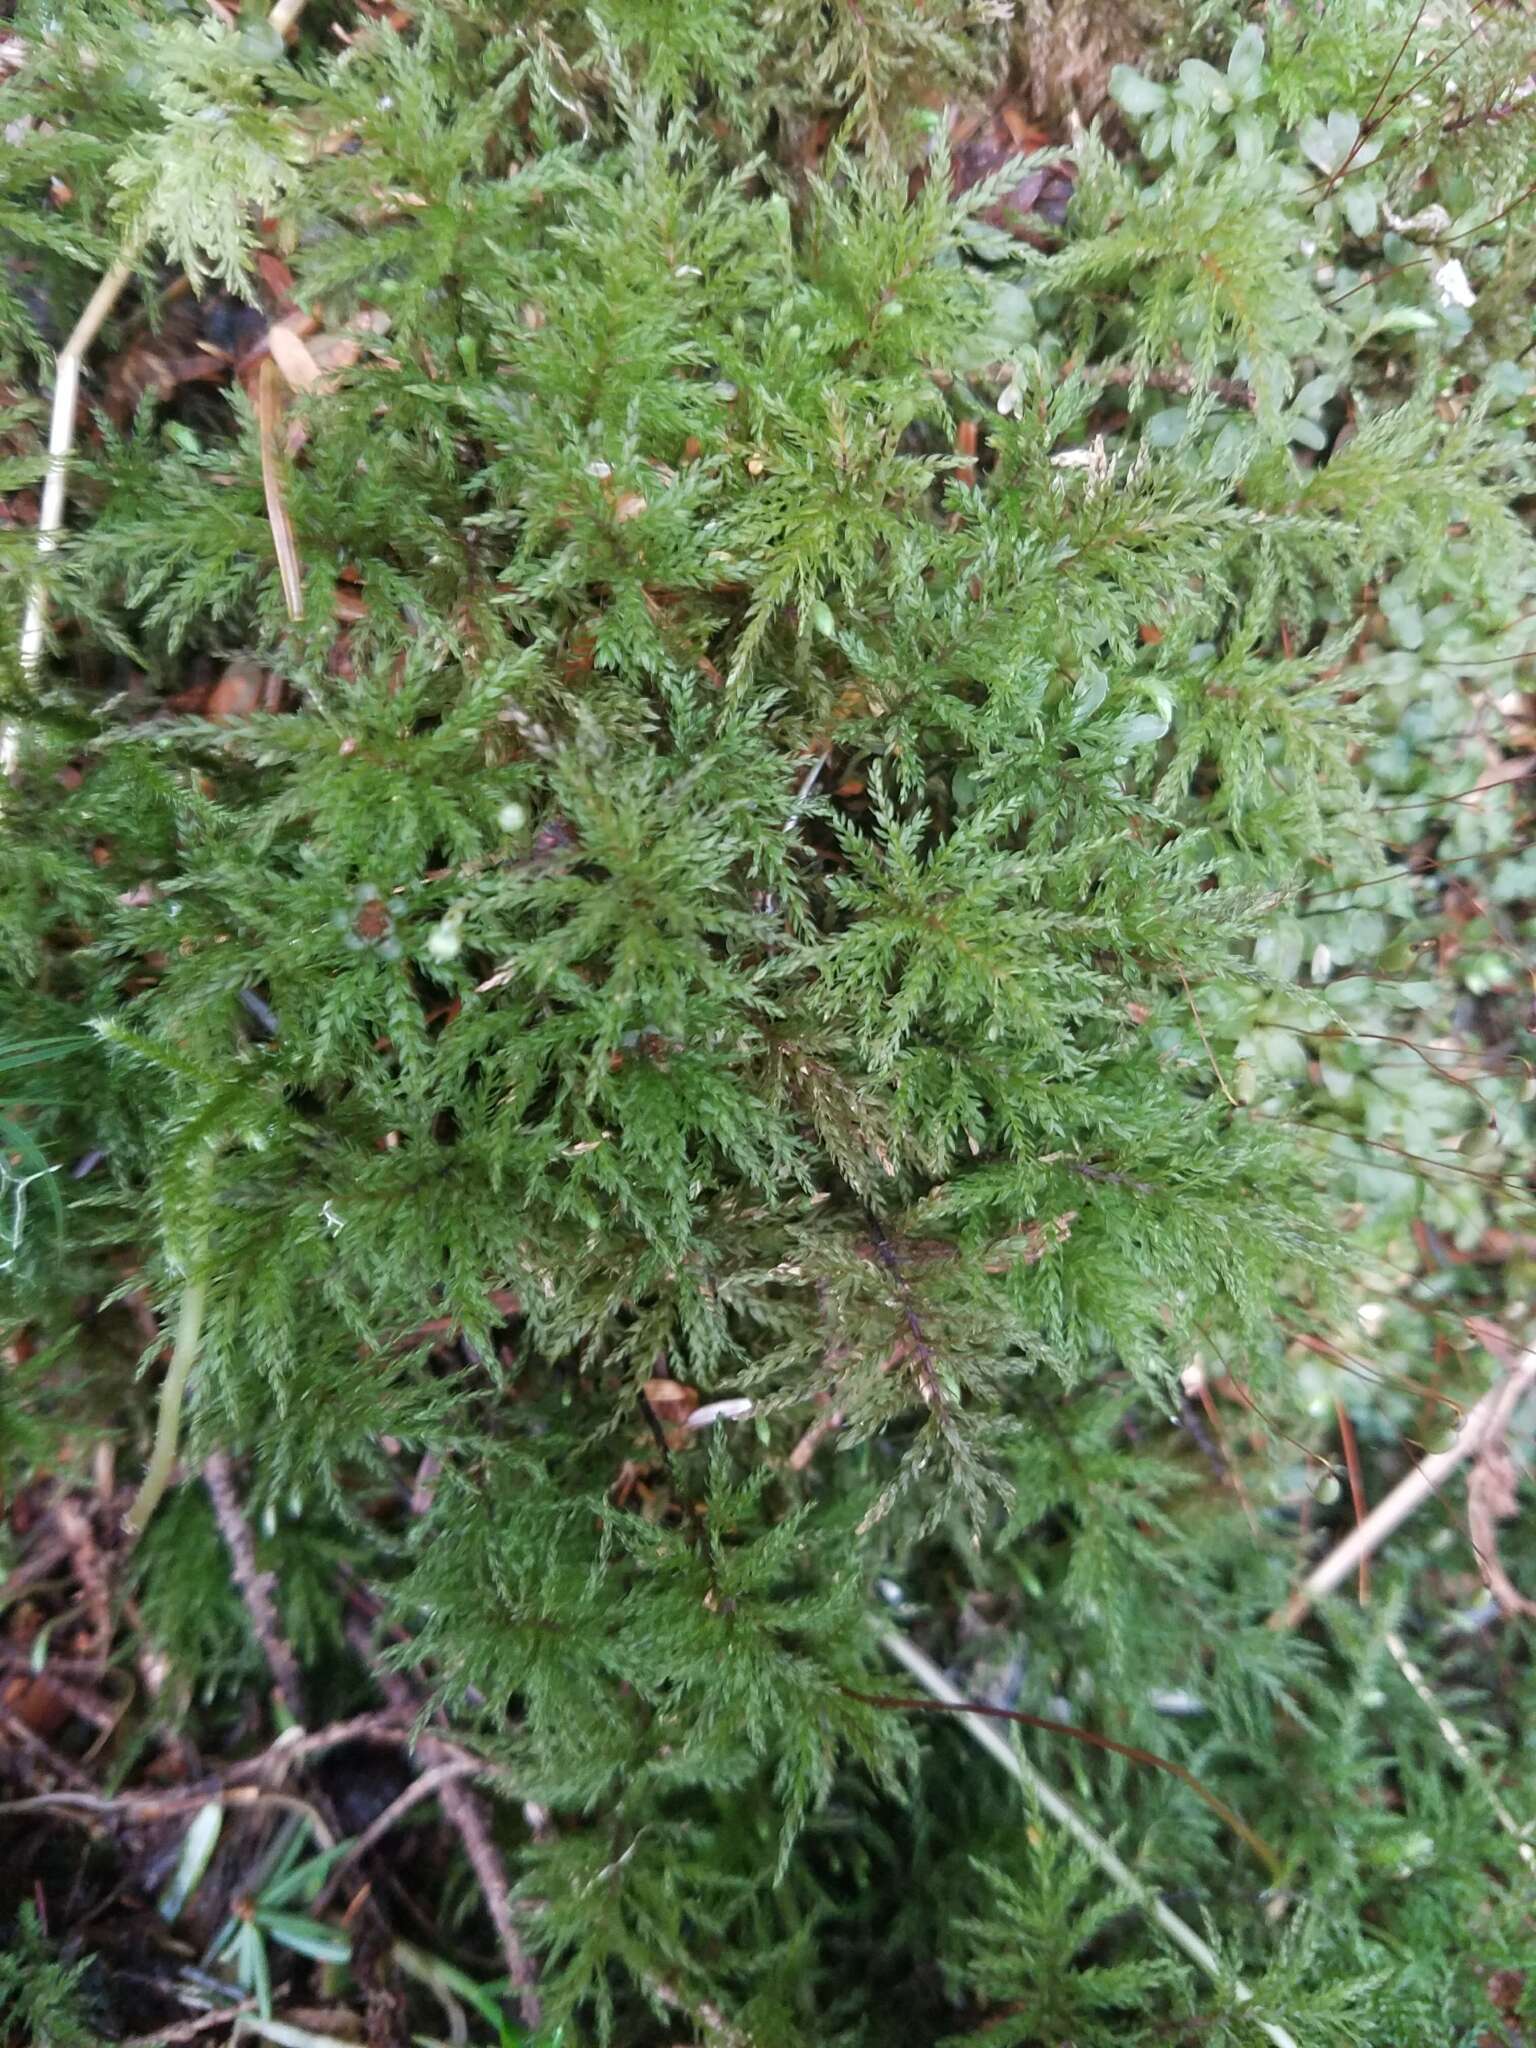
(1179, 1932)
(269, 415)
(1456, 1742)
(61, 442)
(1424, 1480)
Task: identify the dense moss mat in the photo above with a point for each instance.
(740, 900)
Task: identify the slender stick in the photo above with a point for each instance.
(1410, 1493)
(427, 1786)
(468, 1817)
(256, 1586)
(1456, 1743)
(1179, 1932)
(61, 441)
(188, 2030)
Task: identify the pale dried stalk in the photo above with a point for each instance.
(269, 413)
(1480, 1425)
(1456, 1743)
(1179, 1932)
(61, 441)
(173, 1390)
(1424, 1480)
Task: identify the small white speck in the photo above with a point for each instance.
(735, 1409)
(1453, 286)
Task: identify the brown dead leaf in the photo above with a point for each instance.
(1512, 769)
(238, 692)
(292, 357)
(1505, 1990)
(275, 275)
(670, 1400)
(333, 353)
(37, 1703)
(150, 369)
(1493, 1496)
(1036, 204)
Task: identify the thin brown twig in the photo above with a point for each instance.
(38, 1566)
(125, 1806)
(1374, 121)
(1363, 132)
(1067, 1817)
(1509, 1181)
(1375, 1375)
(1418, 262)
(468, 1816)
(896, 1703)
(1510, 850)
(297, 1746)
(816, 1433)
(1356, 1491)
(1194, 1011)
(189, 2030)
(255, 1586)
(1241, 1393)
(1523, 766)
(85, 1554)
(43, 1755)
(465, 1810)
(1218, 1430)
(427, 1786)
